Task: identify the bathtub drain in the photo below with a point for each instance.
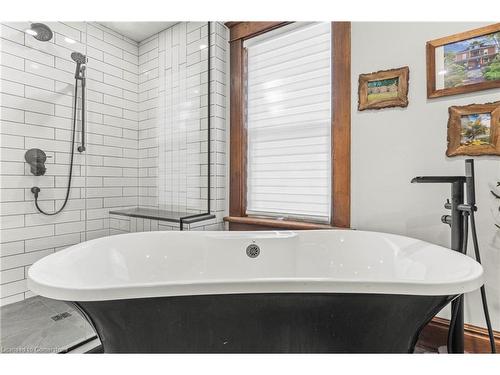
(253, 251)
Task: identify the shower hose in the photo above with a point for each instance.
(35, 190)
(454, 312)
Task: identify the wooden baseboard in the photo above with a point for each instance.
(476, 339)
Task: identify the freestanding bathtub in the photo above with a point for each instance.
(336, 291)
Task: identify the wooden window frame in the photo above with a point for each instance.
(340, 129)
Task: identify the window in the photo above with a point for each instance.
(289, 125)
(288, 119)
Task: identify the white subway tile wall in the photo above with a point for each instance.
(173, 125)
(37, 87)
(173, 118)
(121, 165)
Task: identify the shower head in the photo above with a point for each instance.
(79, 58)
(40, 32)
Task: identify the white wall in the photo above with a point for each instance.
(390, 146)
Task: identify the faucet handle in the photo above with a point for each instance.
(447, 204)
(36, 158)
(446, 219)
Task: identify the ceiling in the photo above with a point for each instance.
(138, 31)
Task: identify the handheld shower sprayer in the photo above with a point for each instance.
(80, 60)
(36, 158)
(469, 182)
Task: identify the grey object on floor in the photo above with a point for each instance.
(42, 325)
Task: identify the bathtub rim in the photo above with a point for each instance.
(264, 286)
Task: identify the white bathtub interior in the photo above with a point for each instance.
(192, 263)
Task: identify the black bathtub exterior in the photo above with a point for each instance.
(263, 323)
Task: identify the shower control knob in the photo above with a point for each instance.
(36, 158)
(447, 205)
(446, 219)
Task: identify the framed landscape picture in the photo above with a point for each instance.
(464, 62)
(474, 130)
(383, 89)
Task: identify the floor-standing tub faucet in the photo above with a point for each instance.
(456, 222)
(461, 212)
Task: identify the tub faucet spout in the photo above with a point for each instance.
(437, 179)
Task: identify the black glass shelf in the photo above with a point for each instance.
(163, 215)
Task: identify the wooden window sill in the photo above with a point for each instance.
(275, 223)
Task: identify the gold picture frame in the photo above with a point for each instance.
(474, 130)
(384, 89)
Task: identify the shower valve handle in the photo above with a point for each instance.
(446, 219)
(447, 204)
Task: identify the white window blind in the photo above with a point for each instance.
(288, 122)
